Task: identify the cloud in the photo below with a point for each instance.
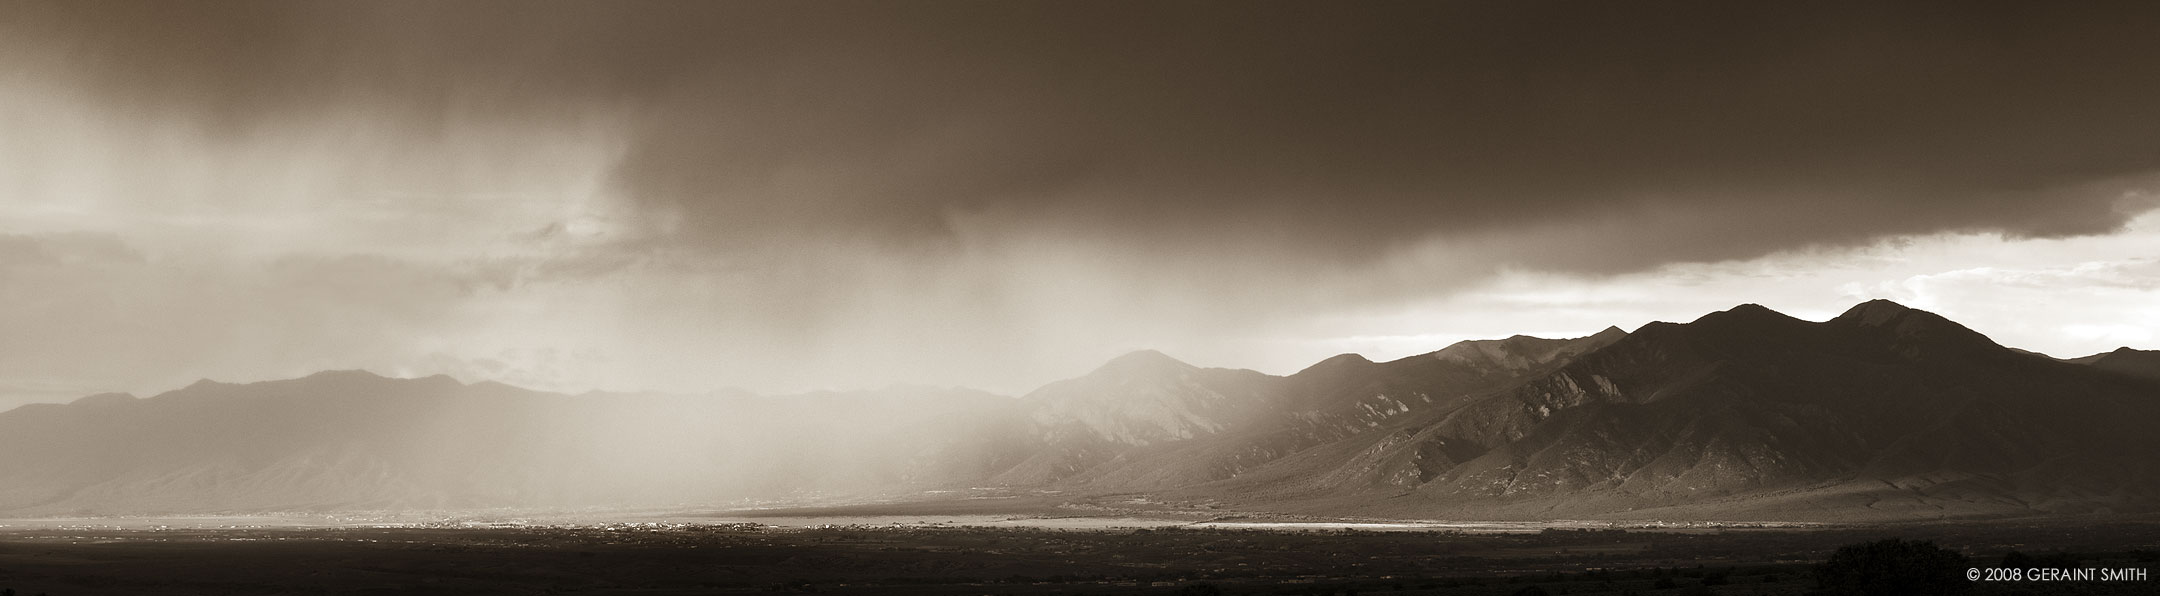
(1358, 130)
(804, 194)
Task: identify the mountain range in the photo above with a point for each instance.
(1884, 412)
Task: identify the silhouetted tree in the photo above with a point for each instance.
(1894, 567)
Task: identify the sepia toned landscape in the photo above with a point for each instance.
(1696, 452)
(943, 558)
(1176, 297)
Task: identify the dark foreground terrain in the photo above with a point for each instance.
(746, 558)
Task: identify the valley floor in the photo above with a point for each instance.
(358, 555)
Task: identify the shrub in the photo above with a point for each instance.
(1894, 567)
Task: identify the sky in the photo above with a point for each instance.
(787, 196)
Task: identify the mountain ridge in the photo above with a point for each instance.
(1882, 412)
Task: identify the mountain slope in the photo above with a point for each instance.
(1135, 401)
(1338, 399)
(1883, 407)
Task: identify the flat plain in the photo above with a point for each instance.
(907, 552)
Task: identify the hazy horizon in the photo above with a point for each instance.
(869, 389)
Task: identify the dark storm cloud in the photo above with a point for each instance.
(1329, 131)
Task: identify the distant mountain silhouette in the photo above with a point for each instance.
(352, 440)
(1884, 412)
(2137, 363)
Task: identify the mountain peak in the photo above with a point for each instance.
(1143, 362)
(1337, 362)
(1605, 338)
(344, 374)
(105, 399)
(1884, 313)
(1875, 312)
(1348, 357)
(1750, 309)
(1916, 330)
(1746, 314)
